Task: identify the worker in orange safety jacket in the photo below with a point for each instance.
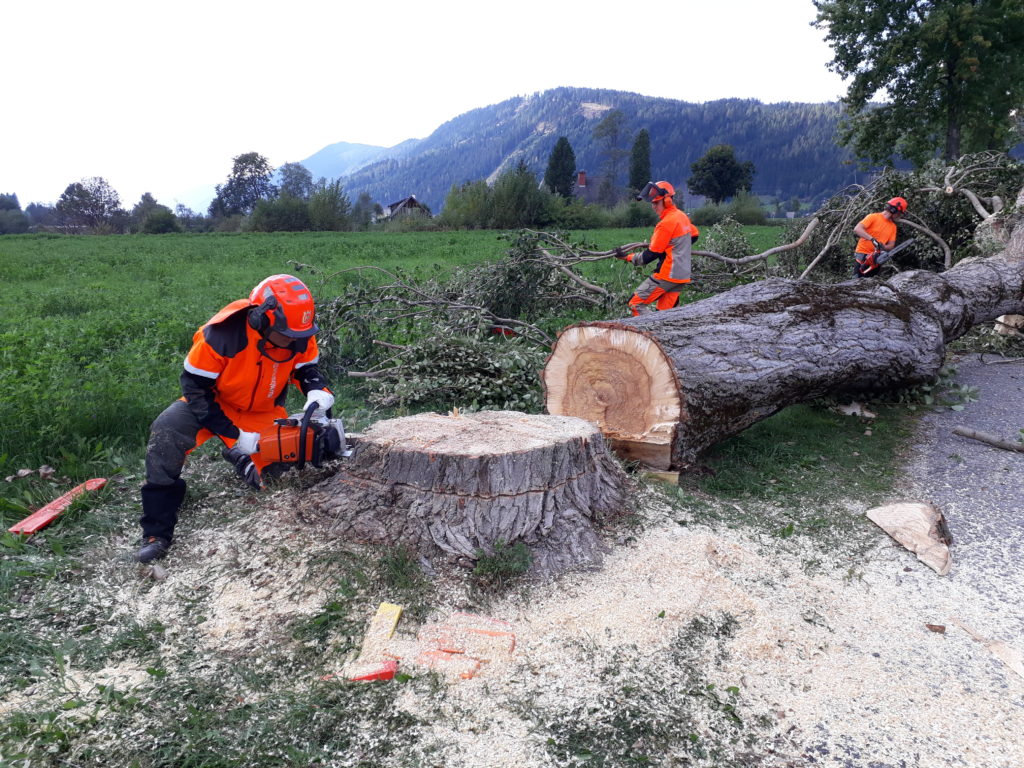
(234, 385)
(670, 245)
(877, 233)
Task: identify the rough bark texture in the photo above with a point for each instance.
(455, 485)
(738, 357)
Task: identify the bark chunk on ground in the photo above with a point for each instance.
(453, 486)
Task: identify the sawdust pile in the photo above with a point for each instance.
(846, 670)
(838, 663)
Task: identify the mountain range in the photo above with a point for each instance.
(791, 145)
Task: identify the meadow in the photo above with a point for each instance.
(102, 665)
(96, 327)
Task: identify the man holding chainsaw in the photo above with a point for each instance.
(670, 245)
(877, 233)
(234, 385)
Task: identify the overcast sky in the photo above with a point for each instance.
(159, 97)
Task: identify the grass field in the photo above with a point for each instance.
(101, 667)
(96, 327)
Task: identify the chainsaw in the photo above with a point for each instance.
(294, 440)
(870, 262)
(302, 437)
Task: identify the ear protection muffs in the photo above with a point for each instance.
(258, 315)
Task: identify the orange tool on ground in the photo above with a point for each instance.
(46, 515)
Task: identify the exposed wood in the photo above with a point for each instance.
(990, 439)
(453, 486)
(692, 376)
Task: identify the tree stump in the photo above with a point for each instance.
(456, 485)
(666, 386)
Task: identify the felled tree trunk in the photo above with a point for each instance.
(457, 485)
(666, 386)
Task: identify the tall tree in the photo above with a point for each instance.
(40, 215)
(248, 183)
(91, 204)
(296, 180)
(142, 210)
(12, 220)
(640, 161)
(560, 176)
(608, 135)
(517, 201)
(952, 71)
(364, 210)
(329, 207)
(719, 174)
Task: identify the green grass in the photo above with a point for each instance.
(644, 715)
(97, 328)
(801, 473)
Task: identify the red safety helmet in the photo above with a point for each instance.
(284, 304)
(655, 191)
(897, 205)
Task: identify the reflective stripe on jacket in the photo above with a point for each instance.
(671, 244)
(224, 367)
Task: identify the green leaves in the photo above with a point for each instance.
(952, 72)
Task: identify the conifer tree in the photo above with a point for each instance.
(560, 175)
(640, 161)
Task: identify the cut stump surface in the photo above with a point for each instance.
(456, 485)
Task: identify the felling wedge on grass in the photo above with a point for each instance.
(666, 386)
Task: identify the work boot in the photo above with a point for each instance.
(152, 548)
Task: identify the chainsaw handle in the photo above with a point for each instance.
(307, 416)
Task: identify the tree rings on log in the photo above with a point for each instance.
(458, 484)
(621, 381)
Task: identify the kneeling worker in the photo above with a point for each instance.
(234, 386)
(670, 245)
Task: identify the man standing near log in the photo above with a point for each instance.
(877, 233)
(670, 245)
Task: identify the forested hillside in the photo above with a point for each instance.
(791, 145)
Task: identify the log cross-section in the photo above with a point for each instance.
(666, 386)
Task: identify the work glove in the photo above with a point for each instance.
(878, 245)
(323, 399)
(248, 442)
(244, 466)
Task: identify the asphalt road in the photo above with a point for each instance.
(980, 488)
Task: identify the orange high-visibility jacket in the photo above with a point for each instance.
(880, 228)
(671, 245)
(226, 377)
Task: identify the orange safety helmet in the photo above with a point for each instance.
(897, 205)
(655, 191)
(284, 304)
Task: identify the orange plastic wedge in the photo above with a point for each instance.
(43, 516)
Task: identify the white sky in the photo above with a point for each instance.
(159, 97)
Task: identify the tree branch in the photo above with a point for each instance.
(771, 251)
(948, 254)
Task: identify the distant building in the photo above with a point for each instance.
(408, 206)
(586, 189)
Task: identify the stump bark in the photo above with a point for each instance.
(456, 485)
(666, 386)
